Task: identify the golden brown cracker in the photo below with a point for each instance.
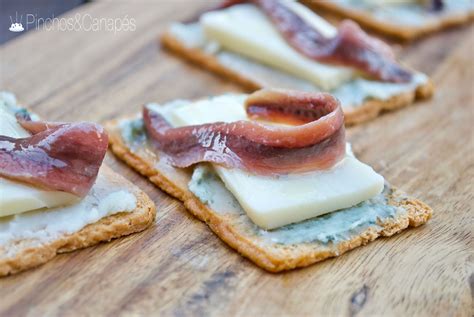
(272, 257)
(29, 254)
(403, 32)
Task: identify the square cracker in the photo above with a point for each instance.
(239, 232)
(389, 28)
(25, 254)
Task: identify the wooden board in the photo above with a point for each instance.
(178, 267)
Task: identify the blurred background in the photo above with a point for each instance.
(15, 11)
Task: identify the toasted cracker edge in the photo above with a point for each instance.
(391, 29)
(106, 229)
(368, 110)
(418, 213)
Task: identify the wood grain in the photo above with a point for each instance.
(178, 267)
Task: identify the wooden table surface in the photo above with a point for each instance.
(178, 266)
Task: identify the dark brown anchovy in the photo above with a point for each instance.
(317, 143)
(57, 156)
(350, 47)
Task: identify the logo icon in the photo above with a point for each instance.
(16, 26)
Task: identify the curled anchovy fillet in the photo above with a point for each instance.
(350, 47)
(318, 142)
(57, 156)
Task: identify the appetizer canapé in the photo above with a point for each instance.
(269, 43)
(270, 173)
(55, 193)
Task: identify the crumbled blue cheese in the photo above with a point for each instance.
(133, 132)
(208, 187)
(359, 90)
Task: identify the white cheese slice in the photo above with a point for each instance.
(16, 197)
(274, 202)
(244, 29)
(225, 108)
(271, 202)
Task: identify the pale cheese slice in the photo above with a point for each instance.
(225, 108)
(244, 29)
(271, 202)
(16, 198)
